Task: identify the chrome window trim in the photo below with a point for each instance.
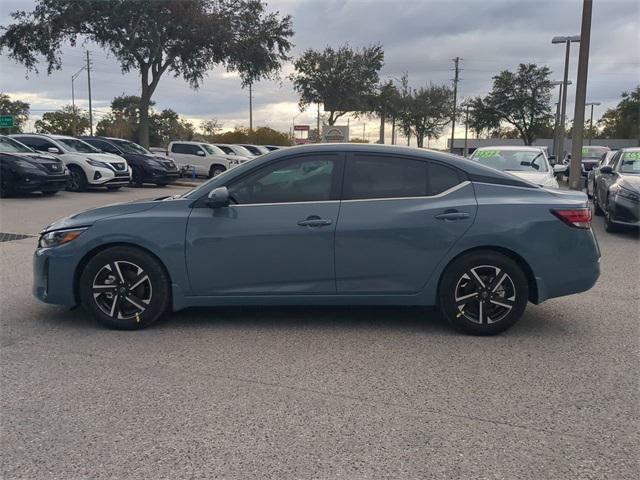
(442, 194)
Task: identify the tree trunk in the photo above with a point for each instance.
(419, 141)
(381, 137)
(393, 130)
(144, 120)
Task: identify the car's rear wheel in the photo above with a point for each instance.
(125, 288)
(216, 170)
(77, 181)
(483, 293)
(137, 177)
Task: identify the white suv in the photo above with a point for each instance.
(88, 166)
(204, 158)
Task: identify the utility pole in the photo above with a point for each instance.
(89, 85)
(575, 182)
(250, 109)
(591, 104)
(563, 108)
(456, 79)
(73, 99)
(466, 131)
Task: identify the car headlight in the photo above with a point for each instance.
(59, 237)
(25, 164)
(98, 163)
(628, 194)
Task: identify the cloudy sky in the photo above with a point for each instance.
(419, 36)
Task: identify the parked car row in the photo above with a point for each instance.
(212, 159)
(49, 163)
(614, 184)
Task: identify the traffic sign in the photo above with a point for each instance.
(6, 120)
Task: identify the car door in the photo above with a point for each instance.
(398, 218)
(605, 180)
(278, 236)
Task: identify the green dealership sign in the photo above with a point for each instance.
(6, 121)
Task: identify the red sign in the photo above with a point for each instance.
(301, 128)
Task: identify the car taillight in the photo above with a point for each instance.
(578, 217)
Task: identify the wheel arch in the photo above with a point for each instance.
(520, 261)
(100, 248)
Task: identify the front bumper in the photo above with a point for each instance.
(53, 273)
(625, 211)
(35, 182)
(104, 177)
(161, 176)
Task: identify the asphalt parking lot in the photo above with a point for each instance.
(289, 393)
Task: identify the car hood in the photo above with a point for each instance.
(105, 157)
(539, 178)
(89, 217)
(630, 182)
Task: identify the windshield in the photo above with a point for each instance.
(240, 150)
(593, 153)
(252, 149)
(130, 147)
(74, 145)
(630, 162)
(208, 148)
(226, 150)
(8, 145)
(512, 160)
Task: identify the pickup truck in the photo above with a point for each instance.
(203, 158)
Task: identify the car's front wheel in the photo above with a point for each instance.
(125, 288)
(77, 181)
(216, 170)
(609, 224)
(483, 292)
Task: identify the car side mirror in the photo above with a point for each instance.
(558, 168)
(200, 153)
(607, 169)
(218, 197)
(53, 150)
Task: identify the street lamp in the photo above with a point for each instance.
(73, 99)
(555, 126)
(567, 41)
(591, 104)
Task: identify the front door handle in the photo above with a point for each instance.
(315, 221)
(452, 215)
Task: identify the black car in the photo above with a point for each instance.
(617, 190)
(591, 157)
(146, 167)
(24, 170)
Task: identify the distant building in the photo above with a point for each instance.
(473, 143)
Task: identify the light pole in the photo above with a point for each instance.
(555, 127)
(591, 104)
(563, 108)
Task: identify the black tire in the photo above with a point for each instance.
(6, 185)
(114, 188)
(460, 280)
(596, 205)
(77, 181)
(136, 307)
(49, 193)
(609, 226)
(216, 170)
(136, 177)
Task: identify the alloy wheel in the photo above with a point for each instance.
(73, 182)
(122, 290)
(485, 294)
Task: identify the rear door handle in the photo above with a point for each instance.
(452, 215)
(315, 221)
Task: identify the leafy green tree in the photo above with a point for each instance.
(210, 127)
(520, 100)
(343, 79)
(167, 126)
(386, 104)
(184, 37)
(18, 109)
(69, 120)
(425, 111)
(259, 136)
(123, 121)
(623, 121)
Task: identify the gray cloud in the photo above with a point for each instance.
(420, 37)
